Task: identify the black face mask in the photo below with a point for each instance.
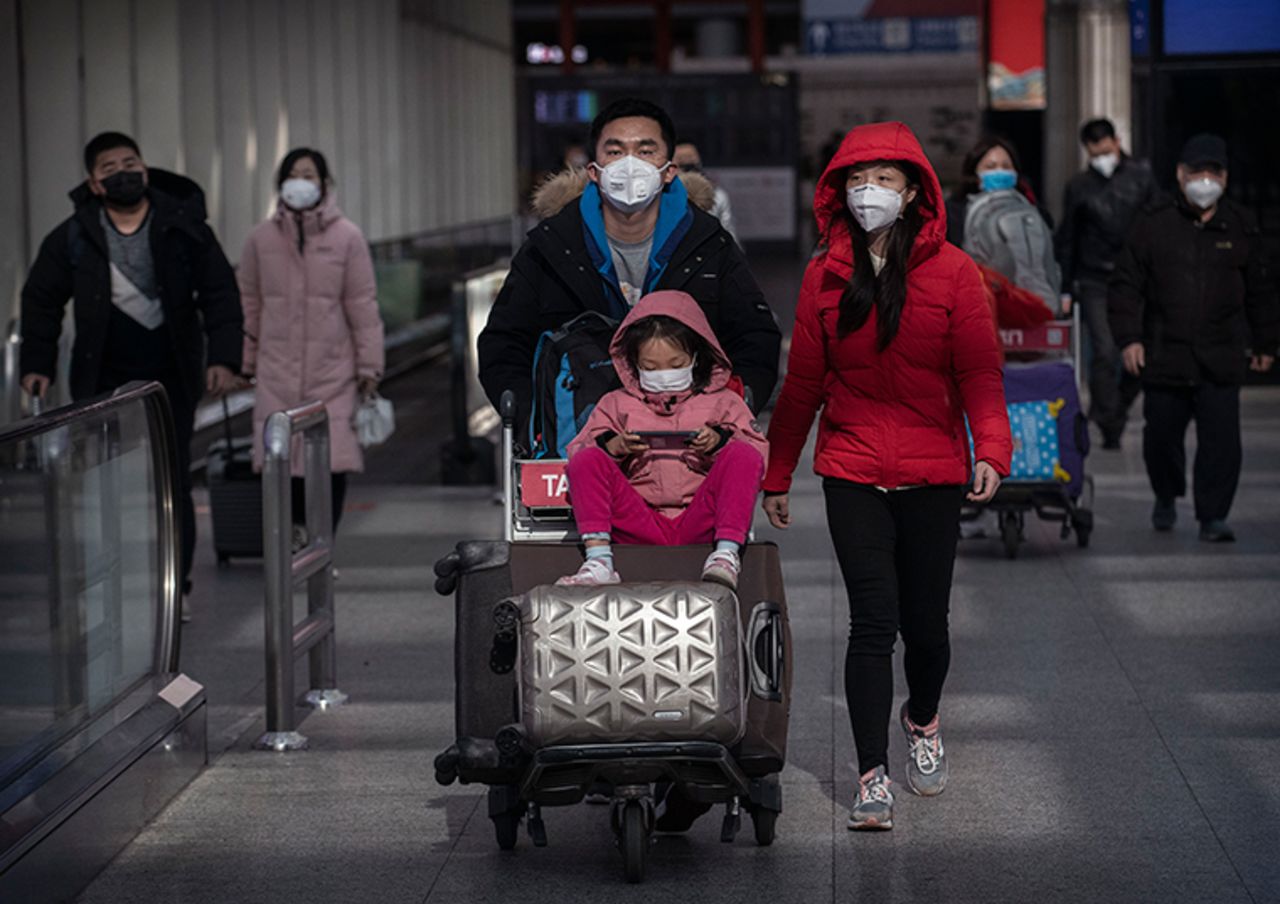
(125, 188)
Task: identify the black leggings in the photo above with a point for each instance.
(896, 551)
(338, 485)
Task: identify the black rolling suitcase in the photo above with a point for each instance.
(235, 495)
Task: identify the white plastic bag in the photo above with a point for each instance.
(375, 421)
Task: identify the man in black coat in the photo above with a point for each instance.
(1098, 207)
(625, 226)
(1192, 305)
(154, 296)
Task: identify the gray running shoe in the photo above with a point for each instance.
(927, 764)
(873, 809)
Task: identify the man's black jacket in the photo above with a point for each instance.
(1196, 295)
(197, 290)
(553, 279)
(1096, 215)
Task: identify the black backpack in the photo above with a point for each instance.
(572, 370)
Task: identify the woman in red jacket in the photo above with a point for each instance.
(895, 344)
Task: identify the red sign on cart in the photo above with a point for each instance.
(1047, 337)
(543, 484)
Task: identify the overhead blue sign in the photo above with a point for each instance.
(1140, 28)
(953, 34)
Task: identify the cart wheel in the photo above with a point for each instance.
(507, 827)
(1010, 533)
(765, 823)
(635, 841)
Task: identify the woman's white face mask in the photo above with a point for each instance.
(300, 194)
(873, 206)
(629, 183)
(675, 380)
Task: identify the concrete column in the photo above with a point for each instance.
(53, 102)
(108, 60)
(157, 62)
(1105, 71)
(1088, 75)
(201, 152)
(1062, 109)
(14, 254)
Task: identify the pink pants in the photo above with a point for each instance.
(605, 502)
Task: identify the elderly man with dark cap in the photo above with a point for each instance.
(1192, 306)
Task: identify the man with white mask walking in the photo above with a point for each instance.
(626, 225)
(1098, 207)
(1192, 305)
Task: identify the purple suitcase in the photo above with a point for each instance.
(1050, 382)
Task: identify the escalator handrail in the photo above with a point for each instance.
(163, 445)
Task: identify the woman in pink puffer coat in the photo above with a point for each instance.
(633, 488)
(311, 322)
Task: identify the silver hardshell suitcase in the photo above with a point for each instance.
(631, 662)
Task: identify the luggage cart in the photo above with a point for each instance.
(540, 542)
(1068, 499)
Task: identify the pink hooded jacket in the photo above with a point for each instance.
(668, 480)
(311, 322)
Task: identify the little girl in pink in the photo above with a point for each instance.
(675, 379)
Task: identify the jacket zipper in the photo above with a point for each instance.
(302, 367)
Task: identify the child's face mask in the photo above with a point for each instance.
(676, 380)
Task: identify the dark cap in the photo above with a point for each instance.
(1204, 148)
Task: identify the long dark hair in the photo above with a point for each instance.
(683, 337)
(887, 291)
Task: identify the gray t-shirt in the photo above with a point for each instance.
(631, 261)
(134, 290)
(132, 254)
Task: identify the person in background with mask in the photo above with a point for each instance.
(622, 228)
(995, 218)
(688, 160)
(1098, 207)
(311, 321)
(895, 345)
(155, 298)
(1192, 305)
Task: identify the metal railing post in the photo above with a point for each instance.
(319, 487)
(508, 403)
(286, 568)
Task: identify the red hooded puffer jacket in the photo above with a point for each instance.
(893, 418)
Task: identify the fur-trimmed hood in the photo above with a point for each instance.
(560, 189)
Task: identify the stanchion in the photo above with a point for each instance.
(286, 568)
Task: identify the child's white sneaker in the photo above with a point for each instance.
(593, 572)
(722, 567)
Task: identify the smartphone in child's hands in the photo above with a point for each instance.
(664, 440)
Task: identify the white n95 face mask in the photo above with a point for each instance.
(300, 194)
(1203, 193)
(1105, 164)
(873, 206)
(677, 380)
(630, 184)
